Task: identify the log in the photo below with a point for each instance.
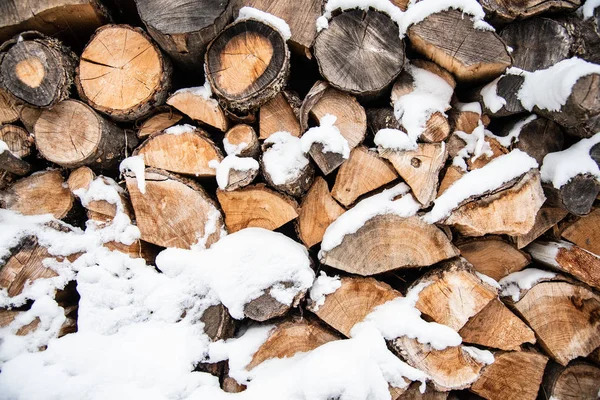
(452, 42)
(317, 211)
(29, 116)
(193, 104)
(218, 324)
(256, 206)
(72, 134)
(158, 123)
(243, 139)
(122, 73)
(507, 87)
(545, 219)
(355, 41)
(13, 164)
(9, 110)
(503, 11)
(36, 69)
(183, 28)
(493, 256)
(452, 174)
(362, 173)
(7, 317)
(381, 118)
(419, 168)
(388, 242)
(44, 192)
(577, 196)
(247, 65)
(538, 138)
(187, 153)
(513, 375)
(18, 140)
(174, 211)
(579, 380)
(585, 232)
(277, 115)
(295, 184)
(352, 302)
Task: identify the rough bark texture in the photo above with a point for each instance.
(540, 137)
(297, 186)
(577, 196)
(507, 87)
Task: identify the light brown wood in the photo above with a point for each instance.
(352, 302)
(243, 133)
(174, 212)
(18, 140)
(452, 175)
(9, 111)
(493, 256)
(81, 178)
(505, 11)
(8, 316)
(585, 232)
(464, 121)
(317, 211)
(256, 206)
(362, 173)
(388, 242)
(579, 380)
(29, 116)
(277, 115)
(545, 219)
(497, 151)
(158, 123)
(199, 108)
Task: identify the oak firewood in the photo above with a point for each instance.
(419, 168)
(381, 118)
(158, 123)
(354, 43)
(122, 73)
(41, 193)
(36, 69)
(362, 173)
(256, 206)
(199, 108)
(585, 232)
(186, 153)
(183, 28)
(513, 375)
(388, 242)
(352, 302)
(218, 324)
(504, 11)
(9, 110)
(579, 380)
(247, 65)
(493, 256)
(577, 196)
(13, 164)
(72, 134)
(545, 219)
(537, 138)
(317, 211)
(277, 115)
(243, 137)
(453, 43)
(174, 211)
(465, 121)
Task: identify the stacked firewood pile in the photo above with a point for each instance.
(416, 151)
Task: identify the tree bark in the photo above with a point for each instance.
(503, 11)
(577, 196)
(243, 135)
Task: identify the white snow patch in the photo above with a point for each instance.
(587, 11)
(180, 129)
(3, 147)
(328, 135)
(472, 107)
(522, 280)
(491, 99)
(488, 279)
(384, 6)
(394, 139)
(210, 227)
(204, 91)
(513, 134)
(136, 165)
(476, 146)
(233, 149)
(323, 286)
(232, 162)
(266, 18)
(284, 160)
(482, 356)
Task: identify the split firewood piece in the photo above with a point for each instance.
(198, 106)
(277, 115)
(564, 317)
(36, 69)
(317, 211)
(493, 256)
(256, 206)
(18, 140)
(568, 258)
(513, 375)
(453, 43)
(346, 61)
(241, 140)
(72, 134)
(182, 149)
(585, 232)
(362, 173)
(504, 87)
(497, 151)
(174, 211)
(122, 73)
(158, 123)
(419, 168)
(414, 393)
(9, 110)
(388, 242)
(183, 28)
(545, 219)
(452, 174)
(495, 326)
(218, 324)
(29, 116)
(11, 163)
(579, 380)
(503, 11)
(247, 65)
(381, 118)
(465, 120)
(352, 302)
(44, 192)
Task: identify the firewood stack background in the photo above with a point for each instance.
(420, 155)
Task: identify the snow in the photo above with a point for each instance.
(587, 11)
(284, 160)
(266, 18)
(513, 134)
(488, 279)
(180, 129)
(203, 91)
(136, 165)
(379, 204)
(522, 280)
(394, 139)
(472, 107)
(3, 147)
(483, 356)
(560, 167)
(232, 162)
(477, 182)
(476, 146)
(491, 99)
(385, 6)
(550, 88)
(233, 149)
(328, 135)
(323, 286)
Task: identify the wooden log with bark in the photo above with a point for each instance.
(198, 107)
(507, 86)
(381, 118)
(9, 162)
(503, 11)
(243, 138)
(578, 380)
(577, 196)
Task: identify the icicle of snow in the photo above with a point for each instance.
(136, 165)
(328, 135)
(491, 99)
(284, 160)
(522, 280)
(513, 134)
(231, 162)
(266, 18)
(323, 286)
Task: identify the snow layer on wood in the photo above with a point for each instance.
(560, 167)
(266, 18)
(210, 227)
(483, 356)
(513, 134)
(232, 162)
(491, 99)
(522, 280)
(480, 181)
(587, 11)
(205, 90)
(243, 266)
(284, 160)
(475, 146)
(180, 129)
(430, 94)
(394, 139)
(233, 149)
(3, 147)
(384, 6)
(399, 317)
(136, 165)
(550, 88)
(472, 107)
(323, 286)
(379, 204)
(328, 135)
(488, 279)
